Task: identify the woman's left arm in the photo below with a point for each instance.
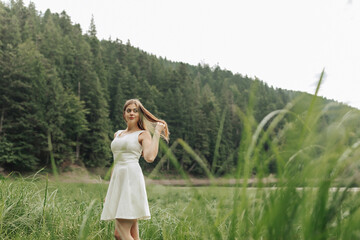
(151, 144)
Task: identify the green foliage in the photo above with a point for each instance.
(7, 155)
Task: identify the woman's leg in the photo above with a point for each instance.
(123, 227)
(134, 231)
(116, 234)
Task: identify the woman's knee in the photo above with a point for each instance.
(134, 231)
(117, 235)
(123, 227)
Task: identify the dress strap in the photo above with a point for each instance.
(138, 132)
(137, 136)
(118, 133)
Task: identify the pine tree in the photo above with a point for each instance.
(95, 141)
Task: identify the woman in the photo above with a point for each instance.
(126, 199)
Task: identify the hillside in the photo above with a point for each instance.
(62, 92)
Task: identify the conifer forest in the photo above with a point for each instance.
(62, 91)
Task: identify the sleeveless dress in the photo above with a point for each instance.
(126, 196)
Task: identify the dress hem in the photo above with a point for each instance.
(131, 218)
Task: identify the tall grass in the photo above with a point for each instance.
(33, 208)
(314, 146)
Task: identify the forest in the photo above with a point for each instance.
(62, 91)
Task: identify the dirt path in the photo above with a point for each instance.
(85, 177)
(205, 182)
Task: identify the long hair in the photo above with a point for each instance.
(147, 120)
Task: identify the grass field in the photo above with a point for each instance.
(33, 208)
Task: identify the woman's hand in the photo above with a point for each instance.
(159, 127)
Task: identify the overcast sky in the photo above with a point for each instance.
(284, 43)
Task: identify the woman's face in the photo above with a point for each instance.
(131, 113)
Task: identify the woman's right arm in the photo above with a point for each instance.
(151, 144)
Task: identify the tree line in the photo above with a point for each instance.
(62, 94)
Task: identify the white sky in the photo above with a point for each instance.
(285, 43)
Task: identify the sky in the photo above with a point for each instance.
(285, 43)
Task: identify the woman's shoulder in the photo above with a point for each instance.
(144, 134)
(117, 132)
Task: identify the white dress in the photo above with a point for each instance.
(126, 196)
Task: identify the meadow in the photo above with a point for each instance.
(34, 208)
